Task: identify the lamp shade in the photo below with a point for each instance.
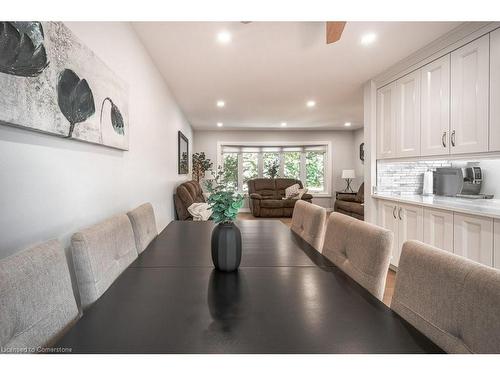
(348, 173)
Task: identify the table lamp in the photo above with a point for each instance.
(348, 175)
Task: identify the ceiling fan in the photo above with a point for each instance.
(334, 30)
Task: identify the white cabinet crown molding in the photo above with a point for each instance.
(456, 38)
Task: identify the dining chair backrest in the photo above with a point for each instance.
(37, 303)
(360, 249)
(144, 225)
(452, 300)
(100, 254)
(308, 221)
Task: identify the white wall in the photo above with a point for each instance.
(342, 148)
(51, 187)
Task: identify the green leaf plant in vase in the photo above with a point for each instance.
(226, 236)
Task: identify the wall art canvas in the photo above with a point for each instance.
(52, 83)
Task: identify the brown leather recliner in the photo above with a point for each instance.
(187, 193)
(266, 197)
(351, 205)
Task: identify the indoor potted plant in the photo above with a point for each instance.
(226, 236)
(200, 165)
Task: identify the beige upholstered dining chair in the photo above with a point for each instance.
(100, 254)
(452, 300)
(308, 221)
(144, 225)
(360, 249)
(37, 303)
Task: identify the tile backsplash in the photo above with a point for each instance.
(405, 177)
(408, 177)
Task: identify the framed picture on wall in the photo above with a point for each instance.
(183, 153)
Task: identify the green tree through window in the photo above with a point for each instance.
(292, 164)
(231, 169)
(250, 167)
(315, 170)
(271, 164)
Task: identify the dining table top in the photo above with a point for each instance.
(284, 298)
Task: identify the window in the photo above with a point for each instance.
(292, 165)
(250, 167)
(306, 163)
(271, 164)
(315, 170)
(231, 169)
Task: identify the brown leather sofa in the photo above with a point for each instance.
(266, 197)
(186, 194)
(351, 205)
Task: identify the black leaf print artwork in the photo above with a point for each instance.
(22, 52)
(116, 117)
(75, 98)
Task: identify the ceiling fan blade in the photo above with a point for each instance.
(334, 31)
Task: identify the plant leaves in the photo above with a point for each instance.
(75, 98)
(22, 52)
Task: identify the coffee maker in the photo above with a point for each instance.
(459, 182)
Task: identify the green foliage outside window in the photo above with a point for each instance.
(231, 170)
(292, 164)
(250, 167)
(271, 164)
(315, 169)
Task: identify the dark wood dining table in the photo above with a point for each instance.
(285, 298)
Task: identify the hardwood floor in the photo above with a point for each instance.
(391, 275)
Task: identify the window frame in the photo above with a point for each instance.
(328, 164)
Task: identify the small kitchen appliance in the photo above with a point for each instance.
(459, 182)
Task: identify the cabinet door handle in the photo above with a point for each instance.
(399, 213)
(394, 212)
(443, 139)
(453, 138)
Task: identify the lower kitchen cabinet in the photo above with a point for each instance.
(438, 228)
(496, 243)
(405, 221)
(411, 225)
(473, 238)
(387, 218)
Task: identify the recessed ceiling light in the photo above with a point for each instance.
(283, 124)
(224, 37)
(311, 103)
(368, 38)
(347, 124)
(219, 124)
(221, 103)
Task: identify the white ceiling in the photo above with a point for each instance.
(270, 69)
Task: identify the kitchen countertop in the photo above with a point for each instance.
(481, 207)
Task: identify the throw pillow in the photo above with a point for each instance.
(301, 193)
(292, 191)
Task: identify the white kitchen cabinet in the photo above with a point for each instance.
(495, 91)
(386, 121)
(473, 237)
(435, 107)
(438, 228)
(387, 218)
(411, 225)
(404, 220)
(496, 243)
(408, 115)
(470, 97)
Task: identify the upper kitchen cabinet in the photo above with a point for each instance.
(408, 115)
(495, 90)
(469, 97)
(386, 121)
(435, 107)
